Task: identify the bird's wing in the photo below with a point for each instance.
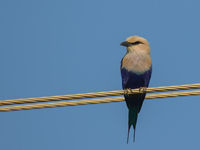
(125, 77)
(146, 84)
(147, 77)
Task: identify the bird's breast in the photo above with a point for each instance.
(136, 62)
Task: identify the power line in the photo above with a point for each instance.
(98, 94)
(94, 101)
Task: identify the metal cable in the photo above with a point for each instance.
(94, 101)
(97, 94)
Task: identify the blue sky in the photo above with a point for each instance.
(67, 46)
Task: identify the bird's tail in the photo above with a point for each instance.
(132, 120)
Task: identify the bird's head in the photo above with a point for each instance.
(136, 43)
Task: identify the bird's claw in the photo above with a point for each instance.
(142, 89)
(128, 91)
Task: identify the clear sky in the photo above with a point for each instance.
(56, 47)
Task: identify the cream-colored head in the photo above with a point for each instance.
(136, 43)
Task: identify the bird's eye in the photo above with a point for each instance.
(136, 43)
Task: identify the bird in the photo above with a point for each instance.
(136, 70)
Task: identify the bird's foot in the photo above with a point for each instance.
(142, 89)
(128, 91)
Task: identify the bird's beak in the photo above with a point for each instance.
(125, 43)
